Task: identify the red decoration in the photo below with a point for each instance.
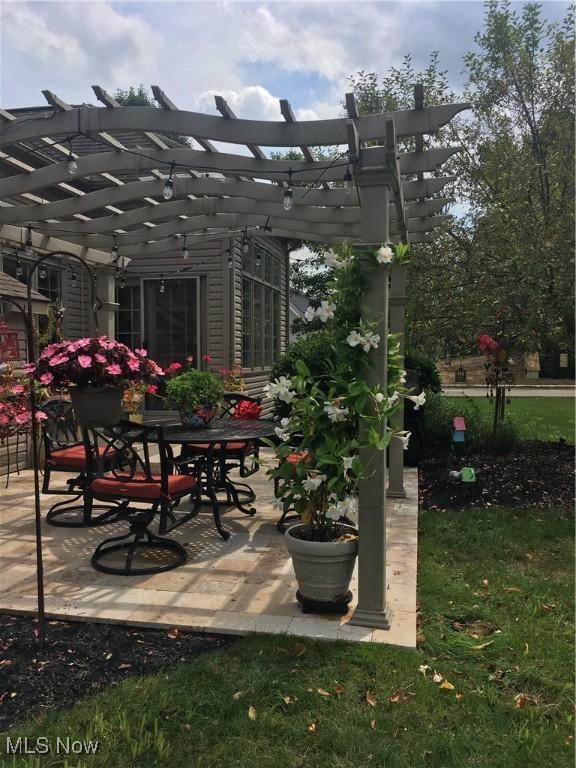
(247, 410)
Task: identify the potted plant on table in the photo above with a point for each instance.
(96, 371)
(336, 414)
(196, 396)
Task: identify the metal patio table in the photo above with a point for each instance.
(214, 462)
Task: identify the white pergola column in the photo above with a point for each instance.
(397, 302)
(373, 179)
(106, 292)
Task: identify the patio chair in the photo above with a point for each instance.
(134, 479)
(65, 452)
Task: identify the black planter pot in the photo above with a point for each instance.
(97, 406)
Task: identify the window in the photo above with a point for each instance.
(128, 317)
(260, 308)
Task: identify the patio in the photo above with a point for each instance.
(243, 585)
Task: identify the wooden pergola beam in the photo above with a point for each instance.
(228, 113)
(289, 116)
(168, 104)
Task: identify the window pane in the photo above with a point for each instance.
(49, 282)
(275, 325)
(267, 326)
(247, 260)
(258, 326)
(258, 255)
(268, 267)
(247, 323)
(276, 272)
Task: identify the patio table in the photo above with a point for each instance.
(214, 462)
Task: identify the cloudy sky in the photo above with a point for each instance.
(253, 53)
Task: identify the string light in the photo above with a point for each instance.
(185, 251)
(42, 272)
(229, 260)
(168, 191)
(73, 279)
(288, 199)
(162, 284)
(72, 164)
(348, 181)
(28, 250)
(114, 251)
(18, 266)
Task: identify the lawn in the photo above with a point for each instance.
(496, 594)
(538, 418)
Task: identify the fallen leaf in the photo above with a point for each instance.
(339, 689)
(423, 668)
(173, 633)
(512, 589)
(482, 645)
(238, 695)
(252, 713)
(484, 582)
(289, 699)
(523, 699)
(186, 727)
(371, 698)
(299, 649)
(322, 692)
(446, 686)
(312, 728)
(547, 608)
(373, 725)
(459, 696)
(124, 665)
(420, 638)
(397, 696)
(108, 656)
(526, 649)
(437, 677)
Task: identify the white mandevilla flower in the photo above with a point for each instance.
(310, 314)
(333, 513)
(384, 255)
(393, 399)
(325, 311)
(280, 388)
(283, 431)
(335, 411)
(379, 397)
(402, 377)
(313, 483)
(405, 438)
(349, 506)
(370, 341)
(354, 338)
(418, 400)
(331, 259)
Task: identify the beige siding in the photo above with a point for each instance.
(14, 455)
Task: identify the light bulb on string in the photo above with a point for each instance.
(123, 279)
(73, 279)
(114, 251)
(19, 269)
(348, 181)
(168, 190)
(42, 272)
(185, 251)
(162, 285)
(288, 199)
(72, 164)
(229, 260)
(28, 250)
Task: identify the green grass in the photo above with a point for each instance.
(538, 418)
(495, 567)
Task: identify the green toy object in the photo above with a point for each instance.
(468, 475)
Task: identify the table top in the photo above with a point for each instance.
(220, 430)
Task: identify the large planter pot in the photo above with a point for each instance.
(323, 570)
(97, 406)
(199, 418)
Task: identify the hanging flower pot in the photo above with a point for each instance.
(97, 406)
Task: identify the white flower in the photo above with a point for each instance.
(384, 255)
(510, 361)
(313, 483)
(379, 397)
(310, 314)
(333, 513)
(403, 377)
(392, 400)
(280, 388)
(331, 259)
(437, 677)
(418, 400)
(405, 437)
(284, 423)
(349, 506)
(348, 461)
(335, 411)
(423, 668)
(370, 341)
(283, 431)
(354, 338)
(325, 311)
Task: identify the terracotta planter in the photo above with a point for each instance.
(97, 406)
(323, 570)
(199, 418)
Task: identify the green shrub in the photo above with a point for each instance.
(437, 419)
(426, 367)
(193, 389)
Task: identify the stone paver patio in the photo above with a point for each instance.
(243, 585)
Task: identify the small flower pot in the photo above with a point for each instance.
(323, 570)
(97, 406)
(199, 418)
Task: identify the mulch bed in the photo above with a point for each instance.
(80, 659)
(537, 474)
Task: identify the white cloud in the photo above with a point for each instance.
(252, 103)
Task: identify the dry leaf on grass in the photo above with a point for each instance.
(289, 699)
(373, 725)
(547, 608)
(371, 698)
(397, 696)
(238, 695)
(322, 692)
(124, 665)
(299, 649)
(420, 638)
(252, 713)
(526, 649)
(482, 646)
(437, 677)
(512, 589)
(523, 699)
(459, 697)
(312, 728)
(339, 689)
(446, 686)
(173, 633)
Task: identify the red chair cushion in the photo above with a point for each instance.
(218, 446)
(297, 457)
(136, 487)
(73, 456)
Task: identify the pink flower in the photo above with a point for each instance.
(142, 352)
(190, 359)
(85, 361)
(17, 389)
(207, 358)
(113, 369)
(100, 358)
(29, 368)
(133, 364)
(46, 378)
(22, 418)
(41, 416)
(4, 419)
(151, 389)
(58, 360)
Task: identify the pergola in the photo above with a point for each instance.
(144, 180)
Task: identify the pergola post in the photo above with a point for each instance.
(397, 303)
(106, 291)
(373, 179)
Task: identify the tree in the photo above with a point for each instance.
(139, 96)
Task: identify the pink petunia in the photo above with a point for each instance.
(17, 389)
(22, 418)
(4, 419)
(58, 360)
(142, 352)
(133, 364)
(113, 369)
(85, 361)
(190, 359)
(41, 416)
(46, 378)
(151, 389)
(207, 358)
(100, 358)
(29, 368)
